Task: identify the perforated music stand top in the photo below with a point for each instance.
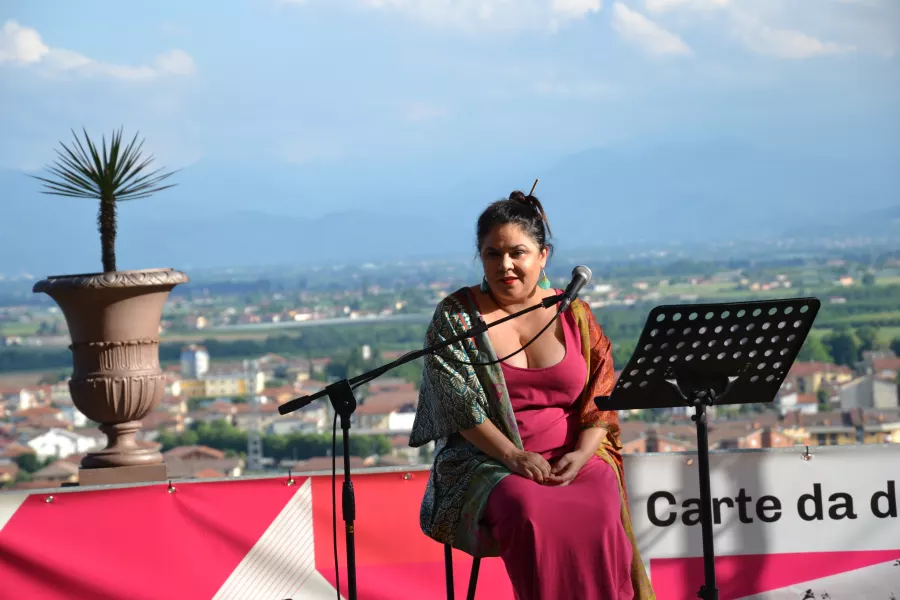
(754, 341)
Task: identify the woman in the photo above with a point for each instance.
(525, 465)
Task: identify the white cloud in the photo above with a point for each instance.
(754, 24)
(577, 9)
(871, 26)
(662, 6)
(23, 46)
(783, 43)
(473, 15)
(421, 111)
(176, 62)
(653, 39)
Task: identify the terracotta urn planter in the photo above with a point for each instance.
(113, 320)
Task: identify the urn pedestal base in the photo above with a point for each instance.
(122, 449)
(120, 475)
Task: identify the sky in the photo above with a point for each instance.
(655, 115)
(442, 88)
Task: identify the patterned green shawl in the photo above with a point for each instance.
(454, 397)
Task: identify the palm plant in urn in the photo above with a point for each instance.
(114, 316)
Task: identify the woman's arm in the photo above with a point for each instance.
(487, 438)
(589, 441)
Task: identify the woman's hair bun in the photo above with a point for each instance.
(533, 203)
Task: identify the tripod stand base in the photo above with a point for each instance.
(708, 594)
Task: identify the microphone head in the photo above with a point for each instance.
(582, 271)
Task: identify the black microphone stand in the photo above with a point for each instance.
(344, 403)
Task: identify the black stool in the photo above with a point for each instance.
(448, 571)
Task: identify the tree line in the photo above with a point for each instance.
(224, 436)
(852, 334)
(845, 346)
(312, 342)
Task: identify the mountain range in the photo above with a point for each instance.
(266, 213)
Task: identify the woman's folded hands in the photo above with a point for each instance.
(535, 467)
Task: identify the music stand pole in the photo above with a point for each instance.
(344, 403)
(709, 591)
(703, 355)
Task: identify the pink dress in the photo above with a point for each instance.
(559, 542)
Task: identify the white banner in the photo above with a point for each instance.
(784, 526)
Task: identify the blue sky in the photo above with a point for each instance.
(444, 88)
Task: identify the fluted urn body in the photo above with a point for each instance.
(113, 320)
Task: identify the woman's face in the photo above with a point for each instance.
(512, 262)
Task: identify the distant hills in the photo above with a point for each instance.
(881, 223)
(250, 214)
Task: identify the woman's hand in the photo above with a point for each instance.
(564, 471)
(529, 465)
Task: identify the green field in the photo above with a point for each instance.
(885, 334)
(228, 336)
(869, 318)
(723, 291)
(19, 328)
(702, 289)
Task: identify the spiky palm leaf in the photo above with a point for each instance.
(109, 175)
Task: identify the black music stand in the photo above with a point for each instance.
(703, 355)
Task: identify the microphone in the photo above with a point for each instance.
(581, 276)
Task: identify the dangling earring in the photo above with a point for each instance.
(543, 282)
(484, 285)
